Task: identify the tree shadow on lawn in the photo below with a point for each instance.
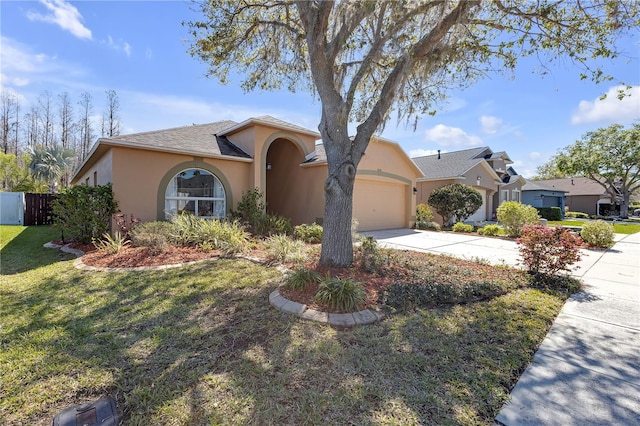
(192, 346)
(26, 252)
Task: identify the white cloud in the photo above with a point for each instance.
(63, 15)
(6, 80)
(451, 136)
(534, 155)
(490, 124)
(610, 109)
(119, 45)
(422, 152)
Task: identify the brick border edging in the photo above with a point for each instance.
(363, 317)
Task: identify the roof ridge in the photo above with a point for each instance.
(186, 126)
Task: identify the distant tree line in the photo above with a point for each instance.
(56, 121)
(42, 145)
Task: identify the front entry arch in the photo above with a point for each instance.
(285, 184)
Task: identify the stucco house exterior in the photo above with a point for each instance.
(205, 169)
(583, 195)
(486, 171)
(539, 194)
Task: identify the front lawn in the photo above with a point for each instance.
(201, 345)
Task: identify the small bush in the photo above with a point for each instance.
(156, 235)
(433, 226)
(270, 224)
(548, 250)
(371, 257)
(423, 213)
(490, 230)
(338, 294)
(598, 233)
(578, 215)
(457, 201)
(283, 249)
(514, 215)
(550, 213)
(308, 233)
(300, 277)
(250, 209)
(111, 245)
(462, 227)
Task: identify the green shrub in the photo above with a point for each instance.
(283, 249)
(433, 226)
(462, 227)
(490, 230)
(370, 256)
(578, 215)
(308, 233)
(83, 212)
(270, 224)
(300, 277)
(111, 245)
(514, 215)
(229, 237)
(423, 213)
(547, 250)
(550, 213)
(598, 233)
(337, 294)
(156, 235)
(250, 209)
(457, 201)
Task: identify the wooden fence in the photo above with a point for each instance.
(38, 209)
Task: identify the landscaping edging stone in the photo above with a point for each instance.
(285, 305)
(276, 300)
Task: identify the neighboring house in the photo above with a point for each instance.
(481, 168)
(539, 194)
(205, 169)
(582, 195)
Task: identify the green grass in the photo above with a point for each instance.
(201, 345)
(618, 227)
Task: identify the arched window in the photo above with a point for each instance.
(197, 192)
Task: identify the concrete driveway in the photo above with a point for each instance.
(587, 369)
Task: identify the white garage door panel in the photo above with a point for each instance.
(379, 205)
(480, 214)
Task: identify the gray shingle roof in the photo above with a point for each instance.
(197, 139)
(450, 164)
(318, 156)
(533, 185)
(575, 186)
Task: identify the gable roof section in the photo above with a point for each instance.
(198, 139)
(450, 164)
(267, 120)
(575, 186)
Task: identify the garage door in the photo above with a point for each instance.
(379, 205)
(480, 214)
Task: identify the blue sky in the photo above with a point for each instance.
(139, 49)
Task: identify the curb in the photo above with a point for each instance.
(287, 306)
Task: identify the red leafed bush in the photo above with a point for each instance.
(548, 250)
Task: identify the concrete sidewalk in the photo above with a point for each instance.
(587, 369)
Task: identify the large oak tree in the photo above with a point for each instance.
(609, 156)
(367, 59)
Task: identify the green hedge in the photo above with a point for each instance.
(577, 215)
(550, 213)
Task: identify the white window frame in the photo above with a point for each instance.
(181, 201)
(515, 195)
(504, 195)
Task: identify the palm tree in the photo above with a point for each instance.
(50, 164)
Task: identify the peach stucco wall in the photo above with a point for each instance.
(102, 170)
(137, 177)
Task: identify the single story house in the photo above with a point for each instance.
(582, 195)
(205, 169)
(538, 194)
(481, 168)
